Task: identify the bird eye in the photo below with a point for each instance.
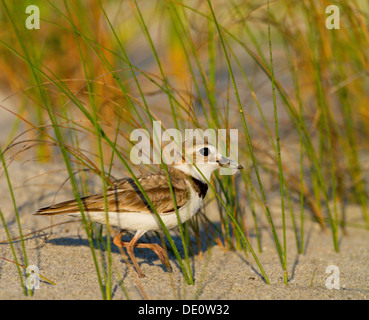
(205, 151)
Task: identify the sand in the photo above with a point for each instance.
(65, 256)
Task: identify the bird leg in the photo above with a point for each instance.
(129, 246)
(159, 251)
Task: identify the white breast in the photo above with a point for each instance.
(186, 212)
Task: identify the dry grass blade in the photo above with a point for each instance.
(24, 267)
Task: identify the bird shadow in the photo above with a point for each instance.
(143, 255)
(201, 243)
(198, 245)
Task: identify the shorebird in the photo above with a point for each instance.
(128, 209)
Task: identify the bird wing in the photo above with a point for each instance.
(125, 196)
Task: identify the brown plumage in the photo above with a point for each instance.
(125, 196)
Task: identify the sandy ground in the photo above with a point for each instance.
(65, 257)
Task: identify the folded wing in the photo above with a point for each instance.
(125, 196)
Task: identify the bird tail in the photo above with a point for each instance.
(66, 207)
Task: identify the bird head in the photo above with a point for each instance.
(202, 156)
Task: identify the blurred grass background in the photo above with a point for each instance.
(96, 70)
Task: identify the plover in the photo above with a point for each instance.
(129, 211)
